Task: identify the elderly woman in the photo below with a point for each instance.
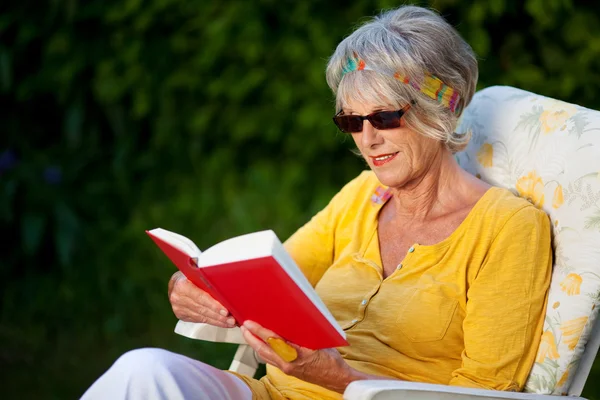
(434, 275)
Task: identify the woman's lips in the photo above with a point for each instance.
(381, 159)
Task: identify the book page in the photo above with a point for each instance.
(181, 242)
(239, 248)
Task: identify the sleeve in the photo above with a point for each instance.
(506, 305)
(313, 246)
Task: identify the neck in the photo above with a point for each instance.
(431, 192)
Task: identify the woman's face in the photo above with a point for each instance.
(398, 156)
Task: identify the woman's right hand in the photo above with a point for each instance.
(192, 304)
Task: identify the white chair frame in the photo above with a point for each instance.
(246, 362)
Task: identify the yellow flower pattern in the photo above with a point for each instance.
(531, 187)
(555, 116)
(571, 285)
(572, 331)
(558, 198)
(485, 155)
(551, 120)
(547, 151)
(547, 348)
(563, 378)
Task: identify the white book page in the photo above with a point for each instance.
(181, 242)
(240, 248)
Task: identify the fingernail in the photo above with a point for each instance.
(231, 321)
(223, 313)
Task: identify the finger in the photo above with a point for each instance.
(205, 299)
(199, 296)
(262, 349)
(184, 307)
(188, 295)
(280, 346)
(204, 316)
(265, 334)
(194, 306)
(197, 318)
(259, 331)
(174, 278)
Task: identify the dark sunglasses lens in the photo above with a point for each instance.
(385, 119)
(349, 123)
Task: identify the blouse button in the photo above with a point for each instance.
(354, 321)
(411, 249)
(364, 302)
(399, 266)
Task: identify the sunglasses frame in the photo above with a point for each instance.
(400, 113)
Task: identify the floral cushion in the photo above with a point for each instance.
(548, 152)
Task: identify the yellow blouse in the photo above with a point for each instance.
(467, 311)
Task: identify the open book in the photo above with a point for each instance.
(256, 279)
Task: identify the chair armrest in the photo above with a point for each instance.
(245, 360)
(387, 390)
(209, 332)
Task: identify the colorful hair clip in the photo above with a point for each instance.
(431, 86)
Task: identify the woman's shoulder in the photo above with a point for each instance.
(359, 192)
(501, 206)
(365, 178)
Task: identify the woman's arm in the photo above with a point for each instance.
(506, 305)
(313, 246)
(325, 368)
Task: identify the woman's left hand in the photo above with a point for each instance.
(325, 367)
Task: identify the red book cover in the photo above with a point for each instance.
(184, 262)
(259, 289)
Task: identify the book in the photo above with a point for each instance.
(255, 278)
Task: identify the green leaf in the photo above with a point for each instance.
(593, 221)
(32, 228)
(65, 235)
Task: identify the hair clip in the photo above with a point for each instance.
(431, 86)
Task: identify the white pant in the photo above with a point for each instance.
(159, 374)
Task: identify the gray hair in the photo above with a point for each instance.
(412, 41)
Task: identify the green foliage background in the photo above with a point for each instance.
(209, 118)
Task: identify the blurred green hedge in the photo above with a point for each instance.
(209, 118)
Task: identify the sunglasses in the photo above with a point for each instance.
(379, 120)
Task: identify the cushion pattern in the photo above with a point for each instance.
(548, 152)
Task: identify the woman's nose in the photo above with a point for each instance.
(370, 135)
